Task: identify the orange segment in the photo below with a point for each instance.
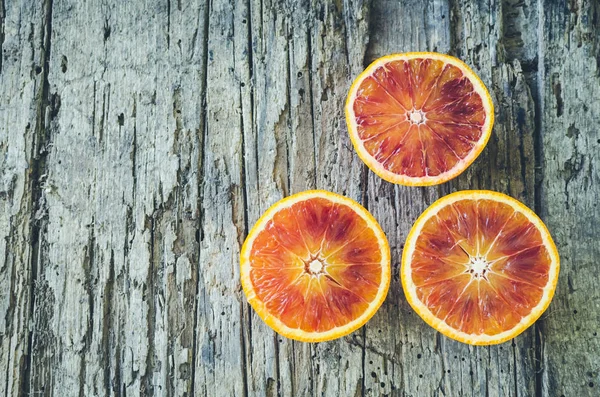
(465, 314)
(496, 313)
(479, 266)
(373, 126)
(517, 235)
(284, 230)
(467, 110)
(312, 219)
(344, 230)
(396, 79)
(450, 88)
(428, 271)
(376, 100)
(345, 304)
(440, 297)
(418, 118)
(357, 250)
(405, 155)
(491, 221)
(363, 280)
(521, 296)
(316, 266)
(459, 138)
(441, 242)
(424, 75)
(443, 154)
(383, 145)
(316, 314)
(270, 253)
(531, 265)
(286, 304)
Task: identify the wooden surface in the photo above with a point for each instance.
(139, 141)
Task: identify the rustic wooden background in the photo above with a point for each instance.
(139, 141)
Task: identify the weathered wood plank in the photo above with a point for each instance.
(338, 38)
(298, 140)
(266, 131)
(402, 351)
(24, 40)
(116, 286)
(220, 347)
(139, 141)
(569, 76)
(506, 165)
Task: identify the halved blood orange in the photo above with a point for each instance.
(479, 266)
(316, 266)
(419, 118)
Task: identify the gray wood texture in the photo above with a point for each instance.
(140, 140)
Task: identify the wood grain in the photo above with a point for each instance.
(139, 142)
(24, 46)
(569, 190)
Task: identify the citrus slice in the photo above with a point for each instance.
(479, 266)
(419, 118)
(316, 266)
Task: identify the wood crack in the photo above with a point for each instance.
(246, 321)
(241, 238)
(106, 322)
(312, 106)
(352, 340)
(89, 268)
(2, 34)
(168, 24)
(9, 315)
(538, 101)
(148, 293)
(202, 129)
(38, 169)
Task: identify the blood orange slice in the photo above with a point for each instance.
(316, 266)
(479, 266)
(419, 118)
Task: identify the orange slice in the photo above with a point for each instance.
(419, 118)
(316, 266)
(479, 266)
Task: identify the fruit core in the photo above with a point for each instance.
(314, 267)
(416, 116)
(478, 267)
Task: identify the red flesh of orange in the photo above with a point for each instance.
(489, 300)
(338, 238)
(418, 117)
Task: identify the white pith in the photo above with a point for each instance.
(478, 266)
(416, 116)
(316, 266)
